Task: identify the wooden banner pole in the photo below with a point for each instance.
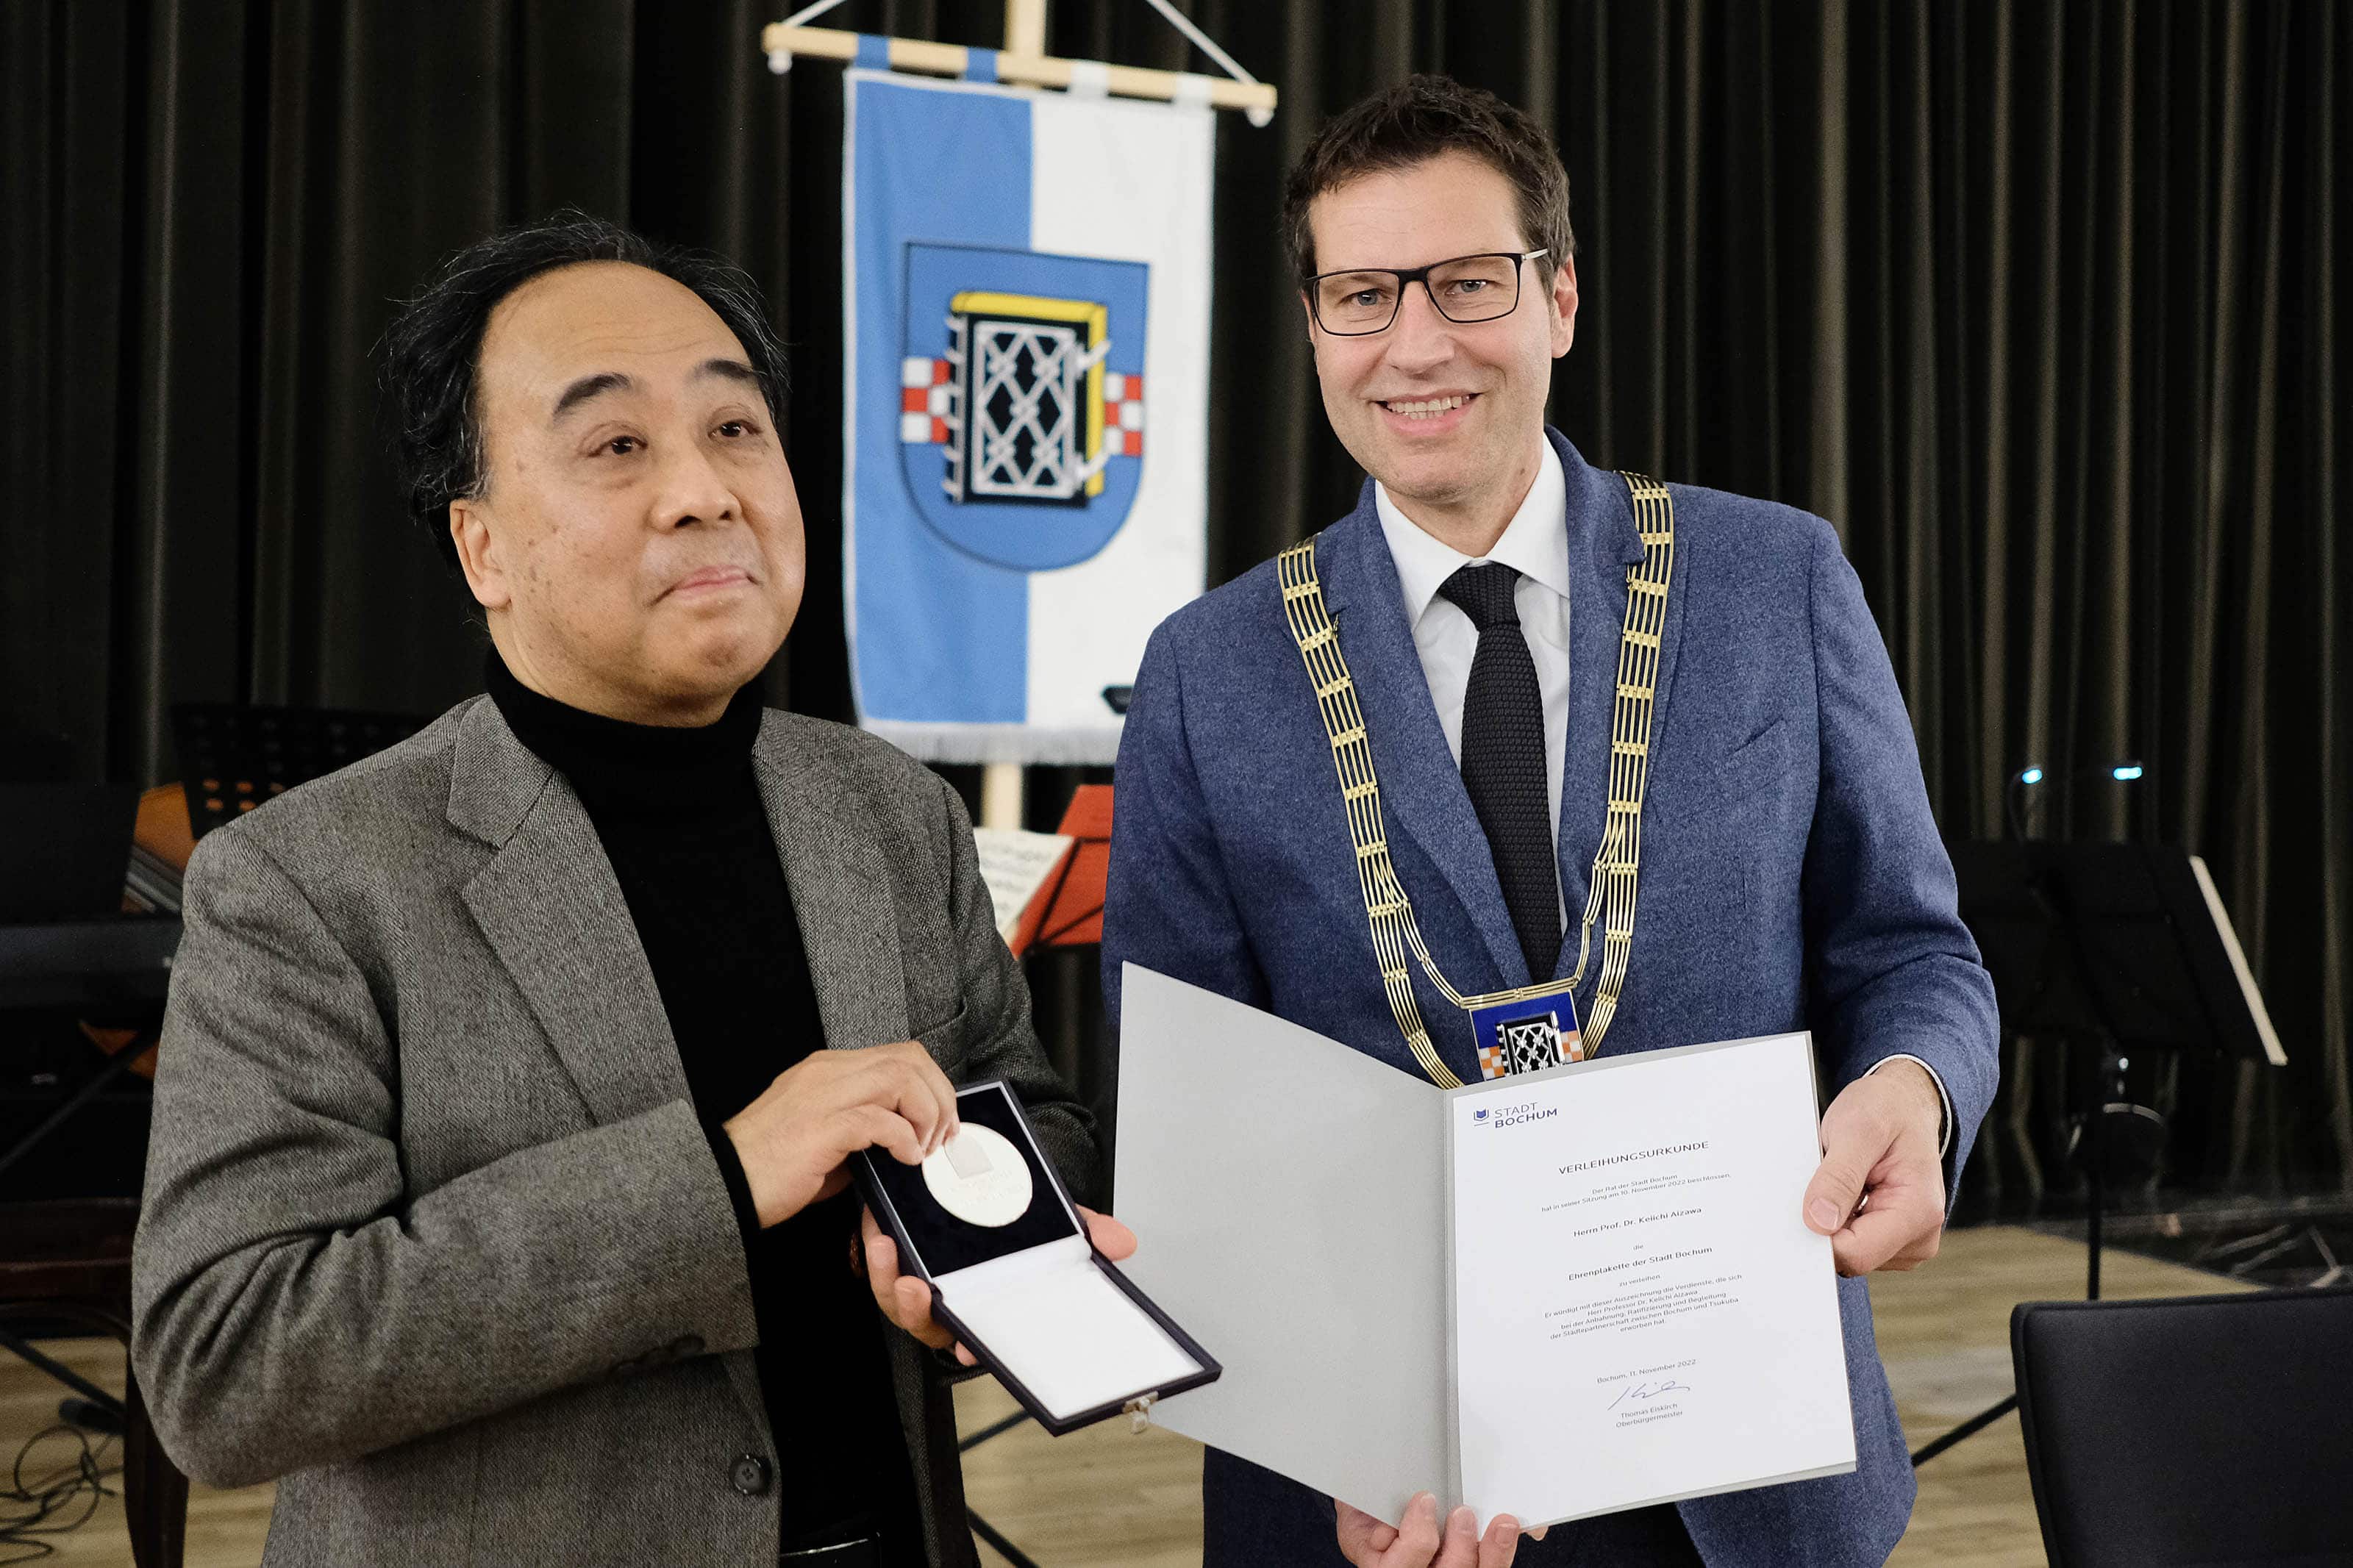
(1025, 28)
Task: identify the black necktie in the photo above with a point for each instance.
(1504, 761)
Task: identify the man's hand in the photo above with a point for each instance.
(1367, 1543)
(1878, 1195)
(795, 1139)
(906, 1300)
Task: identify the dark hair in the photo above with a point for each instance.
(1420, 119)
(432, 351)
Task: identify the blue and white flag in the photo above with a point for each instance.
(1026, 324)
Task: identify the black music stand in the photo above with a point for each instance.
(64, 943)
(63, 848)
(2120, 947)
(234, 757)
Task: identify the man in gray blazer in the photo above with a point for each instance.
(495, 1204)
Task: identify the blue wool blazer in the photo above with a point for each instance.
(1792, 879)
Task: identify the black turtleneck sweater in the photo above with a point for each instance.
(680, 816)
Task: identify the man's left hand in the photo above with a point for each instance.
(1878, 1195)
(906, 1300)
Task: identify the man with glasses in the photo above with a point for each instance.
(1567, 694)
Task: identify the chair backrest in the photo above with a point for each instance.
(2195, 1430)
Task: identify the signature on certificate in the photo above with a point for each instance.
(1640, 1392)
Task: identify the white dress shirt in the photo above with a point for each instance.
(1536, 545)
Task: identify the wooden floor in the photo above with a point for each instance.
(1104, 1496)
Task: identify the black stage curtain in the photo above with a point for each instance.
(2043, 303)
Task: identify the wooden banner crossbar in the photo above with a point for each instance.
(782, 42)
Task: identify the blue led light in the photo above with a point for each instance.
(2031, 775)
(2126, 773)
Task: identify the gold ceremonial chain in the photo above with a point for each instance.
(1616, 865)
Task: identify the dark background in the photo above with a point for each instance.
(2043, 304)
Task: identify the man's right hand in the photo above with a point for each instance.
(794, 1140)
(1367, 1543)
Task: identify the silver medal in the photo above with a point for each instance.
(979, 1177)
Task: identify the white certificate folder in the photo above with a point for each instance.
(1553, 1295)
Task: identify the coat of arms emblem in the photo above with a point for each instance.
(1021, 400)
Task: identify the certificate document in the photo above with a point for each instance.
(1552, 1295)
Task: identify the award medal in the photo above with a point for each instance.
(979, 1177)
(1533, 1026)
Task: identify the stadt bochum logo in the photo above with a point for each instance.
(1021, 400)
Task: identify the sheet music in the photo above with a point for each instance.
(1015, 864)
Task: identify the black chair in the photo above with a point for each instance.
(2200, 1430)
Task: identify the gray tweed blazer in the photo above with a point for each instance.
(431, 1234)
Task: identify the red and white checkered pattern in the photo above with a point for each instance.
(923, 407)
(923, 402)
(1122, 414)
(1495, 1064)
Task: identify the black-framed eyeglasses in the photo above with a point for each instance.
(1464, 290)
